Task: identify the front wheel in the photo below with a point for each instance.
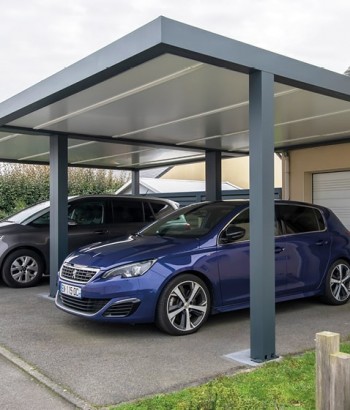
(22, 268)
(337, 285)
(183, 306)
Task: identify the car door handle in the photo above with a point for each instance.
(279, 249)
(321, 242)
(101, 231)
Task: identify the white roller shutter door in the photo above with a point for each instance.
(332, 190)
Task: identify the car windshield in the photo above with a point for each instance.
(192, 221)
(23, 215)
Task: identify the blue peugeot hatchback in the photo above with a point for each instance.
(195, 262)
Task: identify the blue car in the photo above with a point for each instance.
(195, 262)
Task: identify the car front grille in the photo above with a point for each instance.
(77, 273)
(122, 309)
(83, 305)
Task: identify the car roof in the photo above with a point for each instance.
(245, 202)
(132, 197)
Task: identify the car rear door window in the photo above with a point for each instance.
(300, 219)
(306, 247)
(128, 211)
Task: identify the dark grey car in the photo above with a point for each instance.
(24, 237)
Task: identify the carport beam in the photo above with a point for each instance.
(262, 258)
(58, 206)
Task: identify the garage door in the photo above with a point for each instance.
(332, 189)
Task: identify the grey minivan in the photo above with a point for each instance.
(24, 236)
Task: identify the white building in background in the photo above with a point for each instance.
(164, 185)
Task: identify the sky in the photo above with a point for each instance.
(41, 37)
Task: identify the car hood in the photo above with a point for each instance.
(103, 255)
(7, 227)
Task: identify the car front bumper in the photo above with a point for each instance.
(132, 304)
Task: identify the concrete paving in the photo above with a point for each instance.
(77, 363)
(19, 390)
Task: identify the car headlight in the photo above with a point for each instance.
(130, 271)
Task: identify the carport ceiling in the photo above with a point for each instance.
(165, 94)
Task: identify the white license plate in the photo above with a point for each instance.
(71, 290)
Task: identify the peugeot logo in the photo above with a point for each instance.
(74, 274)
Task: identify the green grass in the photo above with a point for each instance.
(285, 384)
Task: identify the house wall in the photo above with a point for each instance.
(234, 170)
(305, 162)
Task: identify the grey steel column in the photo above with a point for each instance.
(58, 206)
(262, 256)
(213, 175)
(135, 182)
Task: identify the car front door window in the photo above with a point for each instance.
(87, 223)
(87, 213)
(233, 260)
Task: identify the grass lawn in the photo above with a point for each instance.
(285, 384)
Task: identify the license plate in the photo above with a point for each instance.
(71, 290)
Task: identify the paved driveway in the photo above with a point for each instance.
(107, 364)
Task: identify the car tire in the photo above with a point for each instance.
(337, 284)
(183, 306)
(22, 268)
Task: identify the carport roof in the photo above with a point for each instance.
(165, 94)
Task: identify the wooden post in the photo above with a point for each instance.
(327, 343)
(340, 381)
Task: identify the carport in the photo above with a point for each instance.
(169, 93)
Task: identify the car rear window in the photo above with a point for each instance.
(160, 209)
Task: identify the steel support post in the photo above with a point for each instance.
(58, 206)
(213, 175)
(135, 182)
(262, 257)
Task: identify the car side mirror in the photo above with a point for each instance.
(233, 233)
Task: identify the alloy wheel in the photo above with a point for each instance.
(340, 282)
(24, 269)
(187, 306)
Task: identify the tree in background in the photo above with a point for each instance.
(25, 185)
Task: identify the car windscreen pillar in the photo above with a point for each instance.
(262, 257)
(58, 206)
(213, 175)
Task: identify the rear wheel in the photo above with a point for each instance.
(22, 268)
(183, 306)
(337, 286)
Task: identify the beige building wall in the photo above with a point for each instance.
(305, 162)
(234, 170)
